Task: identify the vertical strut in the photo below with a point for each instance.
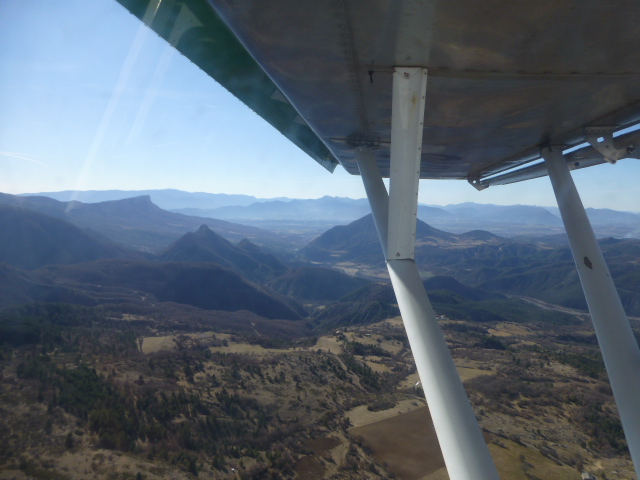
(465, 452)
(620, 351)
(376, 193)
(407, 117)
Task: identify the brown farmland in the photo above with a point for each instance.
(407, 443)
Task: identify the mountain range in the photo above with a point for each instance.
(48, 259)
(486, 261)
(316, 215)
(137, 222)
(73, 253)
(168, 199)
(325, 209)
(506, 220)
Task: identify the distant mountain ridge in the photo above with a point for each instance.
(137, 222)
(167, 199)
(505, 220)
(522, 214)
(334, 209)
(604, 215)
(327, 209)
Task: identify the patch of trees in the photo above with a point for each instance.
(512, 384)
(42, 323)
(465, 328)
(589, 364)
(357, 348)
(491, 342)
(573, 339)
(83, 393)
(68, 329)
(342, 314)
(602, 424)
(269, 342)
(364, 372)
(333, 367)
(383, 403)
(596, 415)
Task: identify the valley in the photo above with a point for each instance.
(137, 343)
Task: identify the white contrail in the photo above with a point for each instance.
(23, 156)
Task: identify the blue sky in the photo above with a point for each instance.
(91, 99)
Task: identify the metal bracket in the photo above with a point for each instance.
(364, 140)
(475, 183)
(601, 138)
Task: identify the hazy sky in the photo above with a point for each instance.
(92, 99)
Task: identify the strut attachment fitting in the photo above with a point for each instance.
(601, 138)
(475, 183)
(361, 140)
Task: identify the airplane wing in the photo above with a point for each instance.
(504, 77)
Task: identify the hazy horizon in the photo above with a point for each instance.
(44, 193)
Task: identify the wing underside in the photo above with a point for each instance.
(504, 77)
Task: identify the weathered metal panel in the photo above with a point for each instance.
(505, 77)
